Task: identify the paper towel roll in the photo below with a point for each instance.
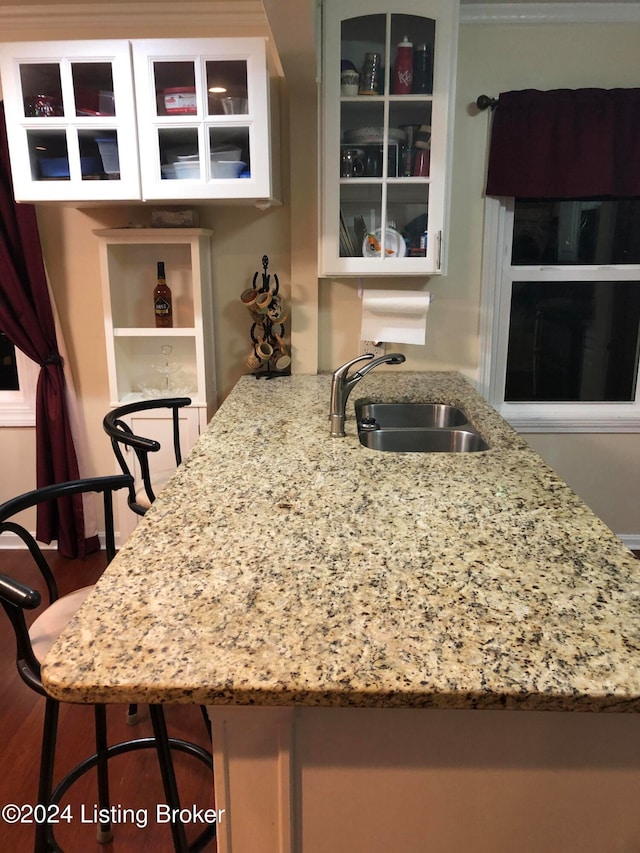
(392, 316)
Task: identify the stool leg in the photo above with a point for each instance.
(168, 776)
(47, 758)
(104, 833)
(207, 721)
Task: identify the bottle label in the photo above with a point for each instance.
(404, 78)
(163, 309)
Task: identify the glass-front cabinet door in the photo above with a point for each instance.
(387, 88)
(70, 120)
(203, 118)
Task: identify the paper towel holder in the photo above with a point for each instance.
(361, 294)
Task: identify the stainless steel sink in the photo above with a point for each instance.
(417, 428)
(423, 440)
(401, 415)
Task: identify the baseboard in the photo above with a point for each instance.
(11, 542)
(631, 540)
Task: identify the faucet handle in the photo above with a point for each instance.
(342, 371)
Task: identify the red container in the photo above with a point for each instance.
(180, 101)
(403, 68)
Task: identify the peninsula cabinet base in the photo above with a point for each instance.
(420, 781)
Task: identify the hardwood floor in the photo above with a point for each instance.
(134, 778)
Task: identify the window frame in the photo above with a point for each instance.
(18, 408)
(498, 274)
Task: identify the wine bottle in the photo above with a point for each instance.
(162, 300)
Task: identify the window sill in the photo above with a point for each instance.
(571, 417)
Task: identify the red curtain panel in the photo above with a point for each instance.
(565, 143)
(26, 318)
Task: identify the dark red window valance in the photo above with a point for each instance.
(565, 143)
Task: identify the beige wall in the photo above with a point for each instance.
(492, 58)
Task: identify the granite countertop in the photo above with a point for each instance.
(283, 567)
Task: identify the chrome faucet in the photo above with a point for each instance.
(342, 385)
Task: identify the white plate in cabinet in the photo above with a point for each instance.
(71, 122)
(386, 153)
(204, 118)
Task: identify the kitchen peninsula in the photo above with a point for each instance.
(416, 629)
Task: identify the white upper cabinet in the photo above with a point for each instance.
(170, 119)
(71, 123)
(387, 93)
(203, 118)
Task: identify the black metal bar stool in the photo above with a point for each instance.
(34, 642)
(145, 481)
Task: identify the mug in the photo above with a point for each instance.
(349, 83)
(276, 310)
(253, 362)
(373, 162)
(281, 360)
(261, 353)
(264, 351)
(263, 301)
(351, 166)
(248, 297)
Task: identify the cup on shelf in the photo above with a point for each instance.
(422, 163)
(370, 75)
(349, 83)
(373, 162)
(235, 106)
(351, 165)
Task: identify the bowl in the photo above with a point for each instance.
(372, 135)
(226, 168)
(181, 170)
(226, 152)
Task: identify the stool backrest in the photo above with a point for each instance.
(122, 438)
(15, 596)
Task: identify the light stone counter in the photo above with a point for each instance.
(283, 567)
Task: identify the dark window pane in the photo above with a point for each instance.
(576, 232)
(8, 368)
(573, 341)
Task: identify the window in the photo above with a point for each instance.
(18, 378)
(561, 308)
(8, 367)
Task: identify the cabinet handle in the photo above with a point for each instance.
(438, 250)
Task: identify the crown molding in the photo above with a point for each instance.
(222, 17)
(550, 13)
